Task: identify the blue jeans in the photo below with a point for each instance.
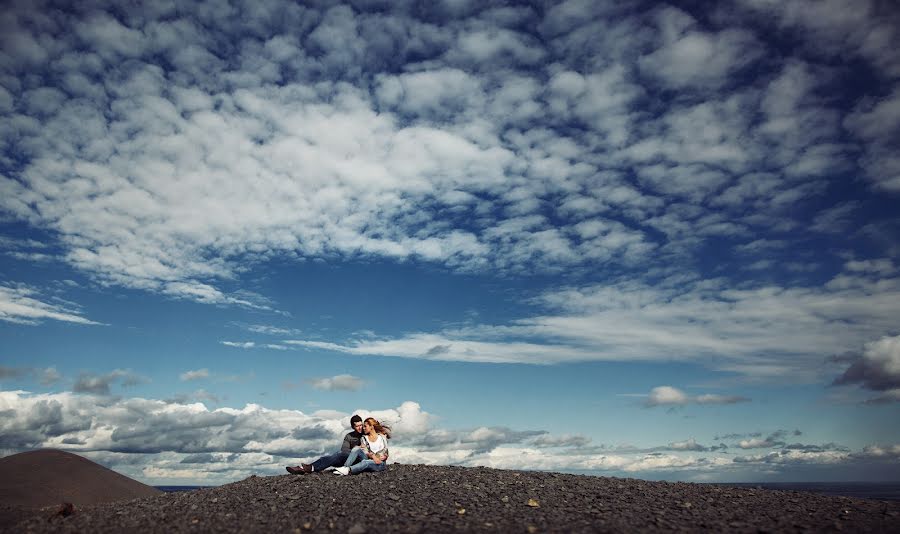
(335, 459)
(365, 464)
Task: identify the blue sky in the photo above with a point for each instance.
(638, 239)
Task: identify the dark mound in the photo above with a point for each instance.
(415, 498)
(49, 477)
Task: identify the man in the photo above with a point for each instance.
(336, 459)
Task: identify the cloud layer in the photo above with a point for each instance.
(765, 333)
(170, 441)
(169, 149)
(670, 165)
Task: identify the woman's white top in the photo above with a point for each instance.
(378, 445)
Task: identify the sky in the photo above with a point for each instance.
(653, 240)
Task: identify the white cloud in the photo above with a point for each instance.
(272, 330)
(19, 305)
(769, 332)
(430, 92)
(755, 443)
(338, 383)
(240, 344)
(48, 376)
(194, 375)
(687, 445)
(480, 46)
(688, 57)
(670, 396)
(876, 121)
(666, 395)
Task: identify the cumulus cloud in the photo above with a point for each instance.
(338, 383)
(876, 368)
(689, 57)
(666, 396)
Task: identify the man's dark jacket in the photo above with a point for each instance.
(352, 439)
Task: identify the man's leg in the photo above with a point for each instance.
(330, 460)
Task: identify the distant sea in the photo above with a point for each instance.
(885, 491)
(171, 489)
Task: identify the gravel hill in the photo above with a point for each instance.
(417, 498)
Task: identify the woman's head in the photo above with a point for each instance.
(373, 424)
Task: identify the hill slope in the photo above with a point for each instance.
(49, 477)
(416, 498)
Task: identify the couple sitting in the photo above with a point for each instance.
(364, 449)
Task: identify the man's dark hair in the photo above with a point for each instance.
(355, 419)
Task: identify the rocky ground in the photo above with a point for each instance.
(416, 498)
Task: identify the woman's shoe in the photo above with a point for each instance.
(344, 471)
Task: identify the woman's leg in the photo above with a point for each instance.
(355, 453)
(367, 465)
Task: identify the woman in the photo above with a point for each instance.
(373, 451)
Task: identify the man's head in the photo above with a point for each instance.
(357, 423)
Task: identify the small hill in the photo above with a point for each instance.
(49, 477)
(435, 499)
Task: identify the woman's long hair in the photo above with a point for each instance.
(384, 430)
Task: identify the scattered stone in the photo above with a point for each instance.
(420, 502)
(65, 510)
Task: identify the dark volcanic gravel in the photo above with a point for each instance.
(417, 498)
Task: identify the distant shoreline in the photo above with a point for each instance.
(175, 489)
(883, 491)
